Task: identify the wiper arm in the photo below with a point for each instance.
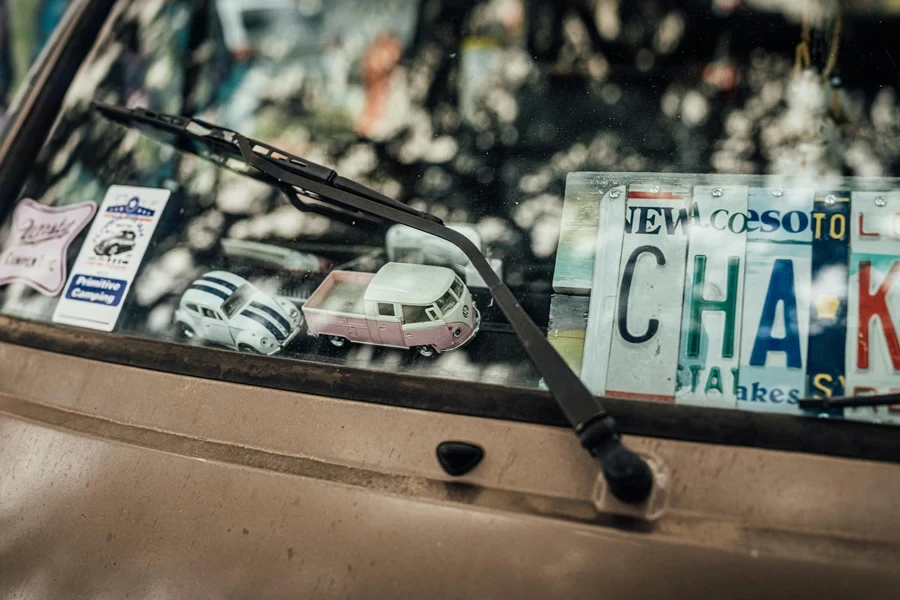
(627, 475)
(849, 402)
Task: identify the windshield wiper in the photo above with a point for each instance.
(849, 402)
(628, 476)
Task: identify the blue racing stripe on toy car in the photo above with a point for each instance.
(265, 323)
(222, 282)
(272, 313)
(210, 290)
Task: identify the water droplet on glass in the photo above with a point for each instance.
(654, 189)
(880, 201)
(453, 55)
(830, 199)
(614, 194)
(778, 192)
(717, 193)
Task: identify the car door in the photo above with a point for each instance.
(215, 328)
(388, 325)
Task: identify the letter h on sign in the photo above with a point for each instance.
(699, 305)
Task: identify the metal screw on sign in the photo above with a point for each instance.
(778, 192)
(717, 193)
(654, 189)
(614, 193)
(880, 201)
(830, 199)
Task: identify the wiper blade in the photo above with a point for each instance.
(222, 143)
(628, 476)
(849, 402)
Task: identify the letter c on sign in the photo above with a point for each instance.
(627, 276)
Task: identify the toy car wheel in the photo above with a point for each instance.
(248, 349)
(337, 342)
(187, 331)
(426, 351)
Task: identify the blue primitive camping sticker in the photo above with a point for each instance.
(35, 251)
(110, 257)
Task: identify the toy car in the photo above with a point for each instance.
(224, 309)
(118, 243)
(404, 306)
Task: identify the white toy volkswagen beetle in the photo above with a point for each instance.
(224, 309)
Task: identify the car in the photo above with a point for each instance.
(118, 243)
(224, 309)
(402, 305)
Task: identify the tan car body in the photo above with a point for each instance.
(138, 469)
(122, 482)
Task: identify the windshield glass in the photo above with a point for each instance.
(693, 200)
(25, 28)
(238, 299)
(446, 302)
(457, 288)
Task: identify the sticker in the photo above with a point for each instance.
(35, 253)
(110, 257)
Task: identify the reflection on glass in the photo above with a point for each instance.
(475, 112)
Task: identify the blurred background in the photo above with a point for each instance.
(472, 110)
(25, 26)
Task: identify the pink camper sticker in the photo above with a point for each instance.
(35, 252)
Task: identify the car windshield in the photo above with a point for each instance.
(238, 300)
(446, 302)
(457, 288)
(693, 200)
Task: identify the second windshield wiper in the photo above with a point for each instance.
(627, 475)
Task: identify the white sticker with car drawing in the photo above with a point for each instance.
(110, 256)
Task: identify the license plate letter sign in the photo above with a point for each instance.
(776, 300)
(826, 353)
(604, 293)
(713, 291)
(873, 347)
(643, 357)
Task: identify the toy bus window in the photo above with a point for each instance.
(385, 310)
(209, 313)
(414, 314)
(457, 288)
(432, 313)
(192, 308)
(446, 302)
